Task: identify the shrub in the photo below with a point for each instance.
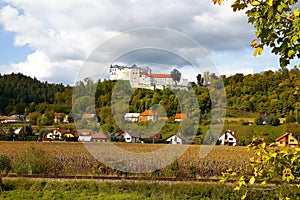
(259, 121)
(273, 121)
(5, 164)
(290, 119)
(36, 161)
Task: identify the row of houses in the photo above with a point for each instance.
(149, 115)
(285, 140)
(12, 119)
(58, 118)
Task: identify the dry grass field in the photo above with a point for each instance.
(75, 158)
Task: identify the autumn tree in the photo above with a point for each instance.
(277, 26)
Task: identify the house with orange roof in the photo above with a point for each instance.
(287, 140)
(179, 116)
(148, 115)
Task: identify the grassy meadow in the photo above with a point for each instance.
(45, 189)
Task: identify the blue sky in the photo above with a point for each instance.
(9, 53)
(51, 40)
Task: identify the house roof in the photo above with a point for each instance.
(129, 115)
(180, 116)
(163, 118)
(99, 135)
(151, 135)
(58, 114)
(284, 135)
(232, 134)
(160, 75)
(88, 116)
(179, 136)
(132, 135)
(66, 131)
(147, 113)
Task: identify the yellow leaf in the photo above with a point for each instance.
(296, 12)
(258, 50)
(263, 145)
(270, 2)
(255, 3)
(252, 180)
(254, 43)
(218, 1)
(236, 188)
(263, 183)
(244, 196)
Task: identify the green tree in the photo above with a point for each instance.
(176, 75)
(33, 117)
(200, 80)
(277, 26)
(5, 168)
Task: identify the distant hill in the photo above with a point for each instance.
(18, 89)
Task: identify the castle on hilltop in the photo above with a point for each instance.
(144, 78)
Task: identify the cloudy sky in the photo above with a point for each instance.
(50, 40)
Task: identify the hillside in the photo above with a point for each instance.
(19, 92)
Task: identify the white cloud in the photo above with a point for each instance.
(64, 33)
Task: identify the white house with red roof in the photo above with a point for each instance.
(228, 138)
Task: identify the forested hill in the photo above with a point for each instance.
(18, 90)
(269, 92)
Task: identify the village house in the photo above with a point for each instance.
(148, 115)
(60, 118)
(10, 119)
(176, 139)
(59, 134)
(228, 138)
(132, 117)
(99, 137)
(287, 140)
(179, 116)
(151, 136)
(84, 138)
(130, 137)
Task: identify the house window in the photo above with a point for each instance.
(128, 139)
(292, 140)
(230, 138)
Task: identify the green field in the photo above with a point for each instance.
(40, 189)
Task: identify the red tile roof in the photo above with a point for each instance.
(180, 116)
(147, 113)
(232, 134)
(284, 135)
(160, 75)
